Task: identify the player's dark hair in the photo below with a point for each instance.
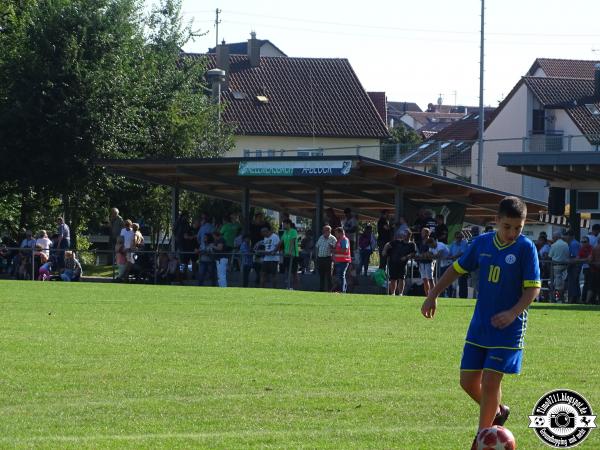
(513, 208)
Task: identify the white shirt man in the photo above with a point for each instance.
(271, 244)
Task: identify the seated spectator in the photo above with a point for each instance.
(398, 253)
(72, 269)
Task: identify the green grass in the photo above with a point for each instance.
(93, 270)
(87, 365)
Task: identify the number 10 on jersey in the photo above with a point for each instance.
(494, 274)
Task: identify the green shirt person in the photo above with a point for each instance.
(289, 239)
(229, 230)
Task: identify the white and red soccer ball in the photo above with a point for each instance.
(495, 438)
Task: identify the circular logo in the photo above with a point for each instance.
(562, 419)
(510, 259)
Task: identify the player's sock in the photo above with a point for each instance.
(502, 415)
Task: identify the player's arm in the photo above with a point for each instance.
(505, 318)
(430, 303)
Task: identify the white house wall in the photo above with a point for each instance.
(565, 123)
(511, 122)
(338, 146)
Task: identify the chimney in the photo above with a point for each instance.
(222, 61)
(253, 50)
(597, 81)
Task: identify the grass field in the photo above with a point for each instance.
(87, 365)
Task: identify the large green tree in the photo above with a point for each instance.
(85, 80)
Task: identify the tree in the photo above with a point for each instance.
(85, 80)
(400, 134)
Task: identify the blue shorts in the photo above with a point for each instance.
(503, 360)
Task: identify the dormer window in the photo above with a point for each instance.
(262, 99)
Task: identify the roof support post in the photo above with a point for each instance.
(439, 157)
(574, 216)
(398, 203)
(318, 224)
(246, 210)
(174, 213)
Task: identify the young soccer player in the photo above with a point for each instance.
(509, 280)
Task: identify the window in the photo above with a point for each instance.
(424, 146)
(587, 201)
(310, 152)
(262, 99)
(239, 95)
(538, 124)
(445, 144)
(593, 109)
(270, 152)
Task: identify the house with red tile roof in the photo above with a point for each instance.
(295, 106)
(553, 110)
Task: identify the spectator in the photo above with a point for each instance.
(366, 246)
(593, 294)
(180, 229)
(229, 230)
(583, 257)
(441, 229)
(332, 219)
(221, 258)
(64, 240)
(128, 242)
(121, 259)
(350, 226)
(44, 242)
(307, 248)
(430, 222)
(116, 225)
(206, 265)
(593, 235)
(173, 273)
(324, 246)
(258, 223)
(384, 235)
(425, 259)
(341, 258)
(574, 268)
(402, 225)
(246, 258)
(41, 263)
(72, 269)
(289, 245)
(192, 245)
(457, 249)
(559, 254)
(440, 254)
(420, 222)
(398, 253)
(474, 274)
(270, 259)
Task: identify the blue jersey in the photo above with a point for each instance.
(504, 270)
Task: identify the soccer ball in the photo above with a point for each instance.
(496, 438)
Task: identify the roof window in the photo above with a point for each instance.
(239, 95)
(593, 109)
(262, 98)
(425, 145)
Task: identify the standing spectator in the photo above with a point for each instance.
(192, 245)
(440, 254)
(430, 222)
(221, 258)
(441, 229)
(398, 253)
(559, 254)
(229, 230)
(574, 268)
(256, 237)
(583, 257)
(332, 219)
(425, 260)
(270, 258)
(246, 258)
(384, 235)
(206, 265)
(129, 245)
(341, 258)
(457, 249)
(289, 245)
(324, 246)
(64, 240)
(593, 235)
(475, 273)
(44, 242)
(366, 245)
(121, 259)
(350, 225)
(307, 248)
(593, 295)
(402, 225)
(206, 227)
(72, 270)
(180, 230)
(420, 222)
(116, 225)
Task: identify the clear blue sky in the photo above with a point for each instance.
(414, 50)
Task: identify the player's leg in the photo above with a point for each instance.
(491, 394)
(470, 381)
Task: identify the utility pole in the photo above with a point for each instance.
(217, 22)
(481, 109)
